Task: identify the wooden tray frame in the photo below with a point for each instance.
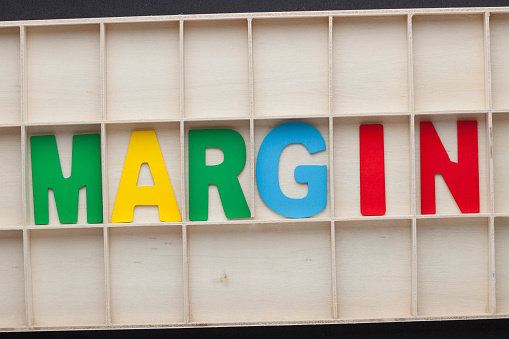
(488, 228)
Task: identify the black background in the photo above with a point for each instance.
(60, 9)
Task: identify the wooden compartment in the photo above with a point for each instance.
(374, 268)
(448, 60)
(290, 66)
(146, 274)
(499, 54)
(446, 128)
(117, 143)
(216, 69)
(12, 285)
(11, 205)
(215, 156)
(260, 272)
(452, 266)
(142, 71)
(64, 138)
(292, 156)
(63, 73)
(67, 275)
(370, 64)
(347, 165)
(10, 81)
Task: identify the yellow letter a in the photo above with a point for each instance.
(144, 148)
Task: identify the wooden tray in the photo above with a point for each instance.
(251, 72)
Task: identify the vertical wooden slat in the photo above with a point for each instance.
(251, 114)
(185, 267)
(331, 23)
(492, 304)
(414, 268)
(24, 136)
(102, 63)
(23, 76)
(489, 116)
(28, 278)
(104, 169)
(335, 312)
(104, 150)
(252, 167)
(24, 175)
(413, 208)
(487, 61)
(107, 281)
(492, 295)
(181, 53)
(410, 64)
(250, 62)
(331, 123)
(183, 177)
(182, 126)
(24, 179)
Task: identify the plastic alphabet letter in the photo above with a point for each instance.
(144, 148)
(267, 166)
(372, 171)
(462, 177)
(223, 175)
(85, 171)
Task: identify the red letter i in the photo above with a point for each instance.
(372, 172)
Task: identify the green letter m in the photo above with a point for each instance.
(85, 171)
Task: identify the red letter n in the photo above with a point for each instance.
(462, 178)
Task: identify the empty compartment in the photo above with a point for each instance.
(452, 266)
(499, 57)
(11, 205)
(260, 272)
(500, 163)
(12, 280)
(502, 264)
(10, 81)
(142, 71)
(448, 59)
(64, 138)
(396, 141)
(118, 137)
(374, 268)
(216, 65)
(68, 280)
(446, 128)
(216, 156)
(370, 63)
(146, 275)
(292, 156)
(291, 66)
(63, 73)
